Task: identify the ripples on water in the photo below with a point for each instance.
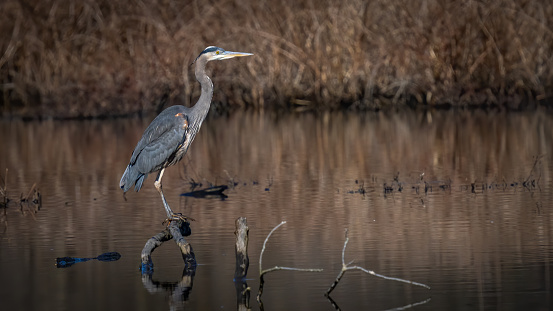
(322, 174)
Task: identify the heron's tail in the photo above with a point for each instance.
(131, 177)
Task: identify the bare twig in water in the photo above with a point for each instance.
(33, 198)
(4, 189)
(533, 182)
(346, 267)
(28, 196)
(275, 268)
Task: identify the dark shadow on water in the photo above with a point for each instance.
(214, 192)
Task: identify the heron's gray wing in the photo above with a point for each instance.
(159, 142)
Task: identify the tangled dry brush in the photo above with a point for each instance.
(72, 58)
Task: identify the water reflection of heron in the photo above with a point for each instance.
(167, 138)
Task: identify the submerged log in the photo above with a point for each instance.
(65, 262)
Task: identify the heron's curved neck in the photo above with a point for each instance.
(202, 106)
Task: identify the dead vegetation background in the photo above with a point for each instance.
(106, 58)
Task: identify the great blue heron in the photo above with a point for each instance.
(167, 138)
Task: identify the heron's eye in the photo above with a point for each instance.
(217, 52)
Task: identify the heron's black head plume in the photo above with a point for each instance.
(207, 50)
(216, 53)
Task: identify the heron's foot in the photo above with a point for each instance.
(177, 216)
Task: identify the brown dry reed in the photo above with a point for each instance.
(107, 58)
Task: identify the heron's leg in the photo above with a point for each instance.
(157, 184)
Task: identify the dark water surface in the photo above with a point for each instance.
(484, 247)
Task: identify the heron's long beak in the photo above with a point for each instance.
(229, 54)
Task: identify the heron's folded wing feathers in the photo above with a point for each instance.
(157, 145)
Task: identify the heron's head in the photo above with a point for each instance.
(215, 53)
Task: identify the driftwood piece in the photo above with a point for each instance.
(179, 291)
(177, 230)
(242, 264)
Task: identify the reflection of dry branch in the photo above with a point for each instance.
(346, 267)
(275, 268)
(409, 306)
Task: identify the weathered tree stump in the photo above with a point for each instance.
(242, 264)
(241, 248)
